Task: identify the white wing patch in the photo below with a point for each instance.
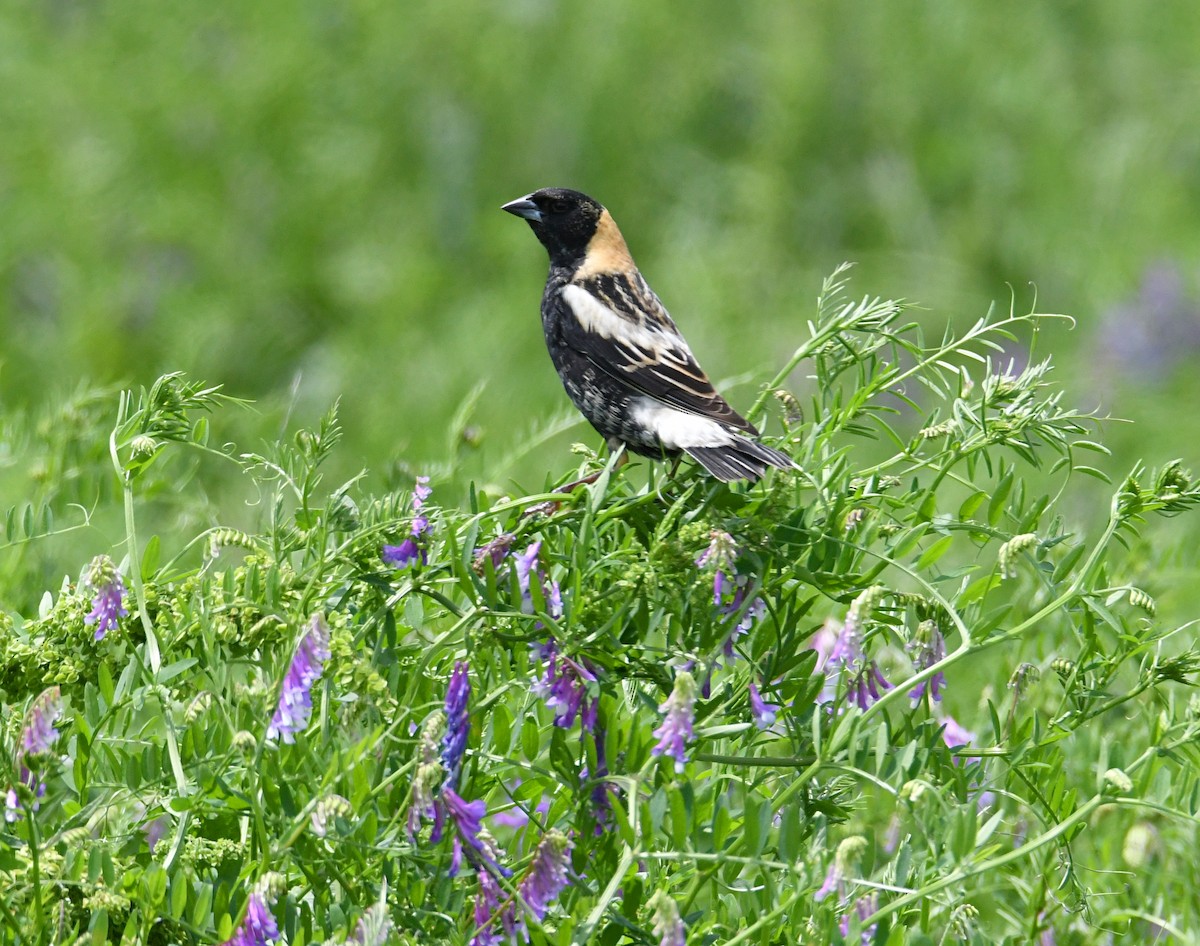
(598, 318)
(678, 429)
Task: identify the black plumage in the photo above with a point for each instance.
(620, 357)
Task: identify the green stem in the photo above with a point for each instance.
(35, 843)
(767, 919)
(584, 931)
(995, 863)
(131, 545)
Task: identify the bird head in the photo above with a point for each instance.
(563, 220)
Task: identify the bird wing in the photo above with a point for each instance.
(618, 323)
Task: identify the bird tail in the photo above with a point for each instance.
(741, 459)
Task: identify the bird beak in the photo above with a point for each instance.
(524, 207)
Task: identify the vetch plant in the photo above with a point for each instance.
(955, 699)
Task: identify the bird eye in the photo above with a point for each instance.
(560, 206)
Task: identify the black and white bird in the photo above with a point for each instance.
(618, 353)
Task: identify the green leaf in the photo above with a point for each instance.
(997, 504)
(179, 894)
(531, 738)
(934, 552)
(753, 833)
(971, 504)
(150, 557)
(501, 721)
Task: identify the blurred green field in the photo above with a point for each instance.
(300, 201)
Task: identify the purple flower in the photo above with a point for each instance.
(865, 685)
(666, 923)
(108, 595)
(37, 742)
(833, 881)
(754, 612)
(601, 804)
(721, 552)
(466, 816)
(467, 819)
(404, 554)
(676, 729)
(864, 680)
(546, 878)
(412, 549)
(295, 699)
(517, 817)
(849, 853)
(526, 562)
(421, 492)
(527, 568)
(39, 734)
(735, 590)
(564, 687)
(488, 931)
(825, 640)
(764, 713)
(257, 927)
(927, 647)
(954, 733)
(458, 722)
(429, 774)
(863, 908)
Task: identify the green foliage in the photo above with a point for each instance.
(1044, 791)
(248, 193)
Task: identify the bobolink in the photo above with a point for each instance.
(619, 355)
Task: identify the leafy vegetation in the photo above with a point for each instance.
(896, 696)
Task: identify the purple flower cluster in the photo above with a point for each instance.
(547, 875)
(729, 596)
(666, 924)
(527, 568)
(295, 698)
(729, 590)
(257, 927)
(676, 730)
(849, 852)
(155, 830)
(458, 723)
(863, 908)
(721, 553)
(564, 687)
(467, 819)
(489, 922)
(412, 549)
(37, 741)
(764, 713)
(601, 803)
(434, 788)
(546, 878)
(927, 647)
(108, 595)
(840, 648)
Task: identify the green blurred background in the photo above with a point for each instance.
(300, 200)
